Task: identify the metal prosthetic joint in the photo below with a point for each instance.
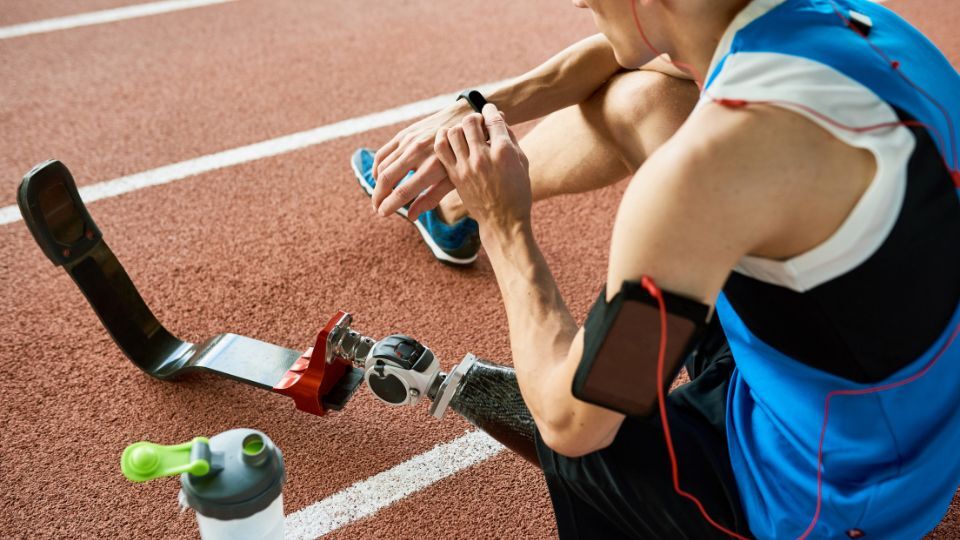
(398, 369)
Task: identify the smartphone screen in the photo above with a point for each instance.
(622, 373)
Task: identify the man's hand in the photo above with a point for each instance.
(412, 149)
(568, 78)
(491, 178)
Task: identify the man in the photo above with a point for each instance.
(809, 194)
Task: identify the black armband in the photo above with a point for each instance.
(621, 342)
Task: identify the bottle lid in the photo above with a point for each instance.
(232, 475)
(247, 475)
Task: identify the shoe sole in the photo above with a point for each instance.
(437, 252)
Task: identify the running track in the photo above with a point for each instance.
(267, 248)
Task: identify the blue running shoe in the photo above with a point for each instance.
(456, 244)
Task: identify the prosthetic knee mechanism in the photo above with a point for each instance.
(401, 371)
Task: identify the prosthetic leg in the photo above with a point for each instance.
(398, 369)
(317, 380)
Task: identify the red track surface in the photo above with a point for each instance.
(23, 12)
(267, 249)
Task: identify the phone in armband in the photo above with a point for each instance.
(618, 370)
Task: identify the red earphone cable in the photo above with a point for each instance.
(654, 291)
(954, 168)
(861, 392)
(896, 66)
(651, 287)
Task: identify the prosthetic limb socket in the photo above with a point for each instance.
(487, 395)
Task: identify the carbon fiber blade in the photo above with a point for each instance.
(59, 221)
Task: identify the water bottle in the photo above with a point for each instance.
(233, 481)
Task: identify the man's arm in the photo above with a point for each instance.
(567, 78)
(666, 228)
(731, 182)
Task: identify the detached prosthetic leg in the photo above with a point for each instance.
(317, 380)
(398, 369)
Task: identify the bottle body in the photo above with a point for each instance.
(267, 524)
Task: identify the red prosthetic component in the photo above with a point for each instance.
(315, 373)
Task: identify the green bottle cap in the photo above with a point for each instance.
(144, 460)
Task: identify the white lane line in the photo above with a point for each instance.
(101, 17)
(369, 496)
(253, 152)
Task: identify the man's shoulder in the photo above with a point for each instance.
(734, 129)
(752, 140)
(770, 161)
(745, 145)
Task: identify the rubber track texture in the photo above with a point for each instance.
(266, 249)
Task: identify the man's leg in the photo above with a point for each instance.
(602, 140)
(626, 489)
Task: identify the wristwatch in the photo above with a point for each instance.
(474, 98)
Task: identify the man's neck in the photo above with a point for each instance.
(695, 39)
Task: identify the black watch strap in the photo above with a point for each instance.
(474, 98)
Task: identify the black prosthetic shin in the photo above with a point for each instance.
(487, 395)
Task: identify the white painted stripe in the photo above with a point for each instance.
(101, 17)
(369, 496)
(252, 152)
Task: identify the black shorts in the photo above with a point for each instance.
(626, 490)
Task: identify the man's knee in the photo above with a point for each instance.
(634, 95)
(641, 110)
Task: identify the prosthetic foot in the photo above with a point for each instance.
(317, 380)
